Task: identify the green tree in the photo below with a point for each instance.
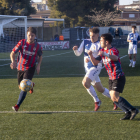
(16, 7)
(76, 12)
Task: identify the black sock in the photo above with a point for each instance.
(123, 102)
(121, 107)
(21, 98)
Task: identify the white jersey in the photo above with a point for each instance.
(134, 37)
(85, 46)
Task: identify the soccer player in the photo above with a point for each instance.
(29, 53)
(111, 60)
(132, 38)
(92, 71)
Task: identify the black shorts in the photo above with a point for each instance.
(117, 84)
(27, 74)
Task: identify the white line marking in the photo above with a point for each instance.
(43, 57)
(123, 56)
(5, 64)
(4, 59)
(58, 54)
(50, 112)
(59, 74)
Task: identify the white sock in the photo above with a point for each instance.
(92, 92)
(131, 61)
(134, 62)
(106, 93)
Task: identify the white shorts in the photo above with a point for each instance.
(132, 49)
(93, 74)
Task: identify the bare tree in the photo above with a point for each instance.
(103, 18)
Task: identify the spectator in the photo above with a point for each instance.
(61, 37)
(56, 37)
(111, 31)
(117, 33)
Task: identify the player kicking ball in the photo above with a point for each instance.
(92, 71)
(29, 53)
(111, 60)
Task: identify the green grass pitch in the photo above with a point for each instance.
(60, 108)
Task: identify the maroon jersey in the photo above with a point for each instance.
(28, 54)
(113, 68)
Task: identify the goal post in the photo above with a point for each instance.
(12, 29)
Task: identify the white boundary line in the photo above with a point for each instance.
(43, 57)
(59, 74)
(5, 64)
(57, 54)
(51, 112)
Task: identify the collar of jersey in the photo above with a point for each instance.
(95, 42)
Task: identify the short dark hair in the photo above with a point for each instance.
(108, 37)
(94, 30)
(32, 30)
(134, 27)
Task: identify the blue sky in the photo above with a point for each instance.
(122, 2)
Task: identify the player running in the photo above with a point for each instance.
(111, 60)
(132, 38)
(92, 71)
(29, 53)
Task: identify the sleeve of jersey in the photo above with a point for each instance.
(17, 47)
(128, 37)
(99, 58)
(115, 52)
(80, 49)
(40, 51)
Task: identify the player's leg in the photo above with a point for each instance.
(98, 85)
(22, 94)
(130, 52)
(87, 84)
(134, 55)
(117, 88)
(29, 75)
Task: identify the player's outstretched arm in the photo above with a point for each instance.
(13, 63)
(39, 64)
(129, 40)
(78, 51)
(93, 60)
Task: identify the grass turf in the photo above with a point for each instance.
(59, 88)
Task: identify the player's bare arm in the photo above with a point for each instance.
(112, 57)
(13, 63)
(93, 60)
(129, 40)
(39, 64)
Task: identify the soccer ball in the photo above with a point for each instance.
(26, 85)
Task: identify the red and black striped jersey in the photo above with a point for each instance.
(28, 54)
(113, 68)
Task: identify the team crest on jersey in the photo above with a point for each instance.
(24, 46)
(34, 48)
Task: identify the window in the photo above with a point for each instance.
(131, 15)
(44, 16)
